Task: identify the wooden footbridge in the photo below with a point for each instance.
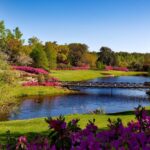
(126, 85)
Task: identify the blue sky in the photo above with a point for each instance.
(123, 25)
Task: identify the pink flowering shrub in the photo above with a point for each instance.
(116, 68)
(30, 69)
(34, 83)
(69, 136)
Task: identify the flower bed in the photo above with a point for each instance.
(69, 136)
(30, 69)
(32, 83)
(116, 68)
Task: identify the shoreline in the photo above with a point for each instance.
(20, 91)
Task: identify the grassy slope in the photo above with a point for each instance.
(38, 125)
(39, 90)
(20, 91)
(79, 75)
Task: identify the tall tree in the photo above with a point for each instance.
(33, 41)
(76, 53)
(2, 36)
(62, 55)
(107, 56)
(17, 33)
(51, 53)
(39, 57)
(90, 59)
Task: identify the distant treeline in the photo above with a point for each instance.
(51, 55)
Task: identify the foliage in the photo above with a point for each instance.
(39, 57)
(70, 136)
(97, 111)
(51, 53)
(76, 53)
(8, 80)
(43, 83)
(100, 65)
(62, 56)
(107, 56)
(90, 59)
(40, 78)
(30, 69)
(116, 68)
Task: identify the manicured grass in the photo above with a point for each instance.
(79, 75)
(40, 90)
(38, 125)
(75, 75)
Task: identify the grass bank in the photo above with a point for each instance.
(21, 91)
(33, 126)
(80, 75)
(7, 104)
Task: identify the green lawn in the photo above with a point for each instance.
(38, 125)
(40, 90)
(79, 75)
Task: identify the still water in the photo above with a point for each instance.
(110, 100)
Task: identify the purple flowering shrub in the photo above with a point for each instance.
(69, 136)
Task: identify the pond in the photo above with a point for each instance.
(110, 100)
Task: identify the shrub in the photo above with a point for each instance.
(41, 78)
(98, 111)
(34, 83)
(39, 57)
(30, 69)
(100, 65)
(116, 68)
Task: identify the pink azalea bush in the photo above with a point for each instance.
(69, 136)
(30, 69)
(34, 83)
(50, 81)
(116, 68)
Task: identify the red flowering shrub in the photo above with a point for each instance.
(30, 69)
(116, 68)
(33, 83)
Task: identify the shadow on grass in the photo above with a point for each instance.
(126, 113)
(12, 137)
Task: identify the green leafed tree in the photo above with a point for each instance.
(51, 53)
(77, 50)
(39, 57)
(2, 36)
(107, 56)
(17, 33)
